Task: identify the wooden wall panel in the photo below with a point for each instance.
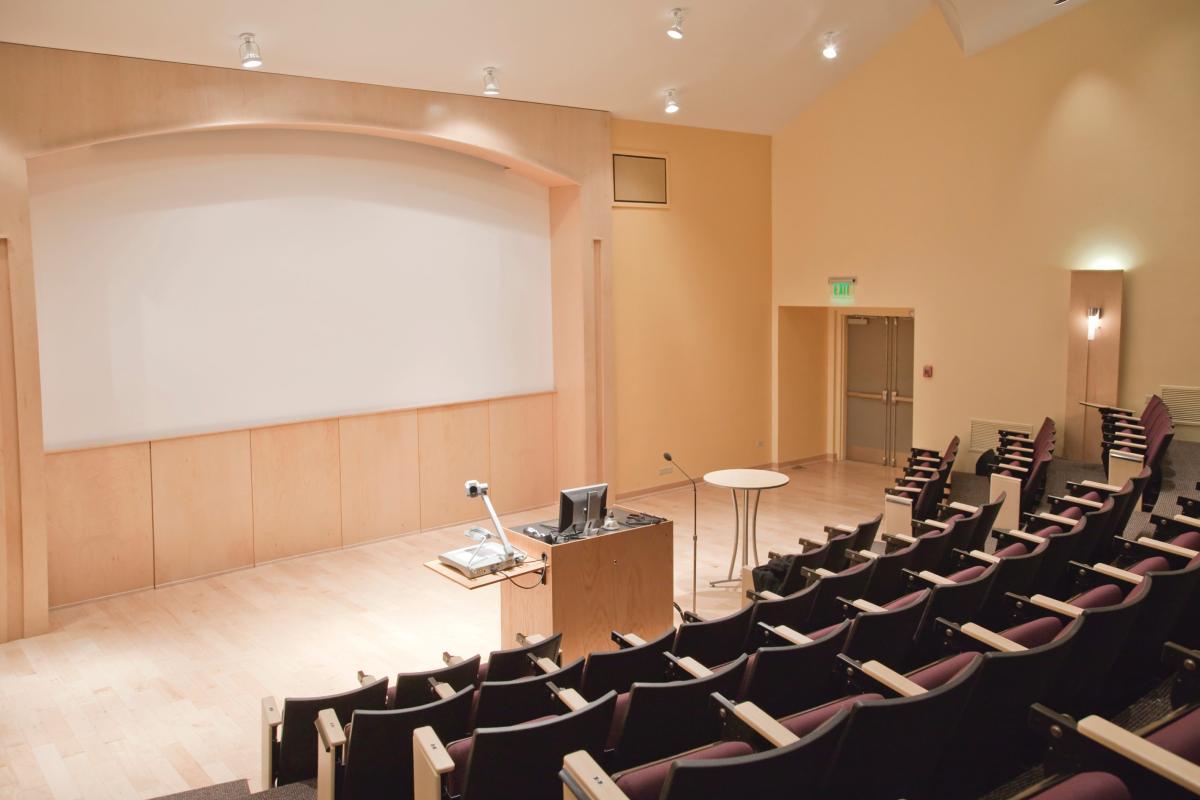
(522, 452)
(381, 479)
(455, 448)
(99, 525)
(203, 514)
(294, 475)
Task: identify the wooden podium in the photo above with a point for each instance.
(618, 580)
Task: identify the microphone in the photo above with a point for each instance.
(695, 505)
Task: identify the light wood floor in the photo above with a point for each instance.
(158, 691)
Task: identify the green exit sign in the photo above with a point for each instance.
(841, 290)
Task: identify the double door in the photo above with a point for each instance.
(878, 407)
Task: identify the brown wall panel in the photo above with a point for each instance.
(381, 480)
(203, 514)
(297, 491)
(455, 448)
(99, 525)
(522, 452)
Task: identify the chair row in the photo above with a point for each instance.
(1131, 441)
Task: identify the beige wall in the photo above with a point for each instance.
(691, 307)
(967, 188)
(805, 349)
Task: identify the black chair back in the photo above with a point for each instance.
(793, 611)
(1014, 574)
(378, 759)
(786, 680)
(663, 719)
(619, 669)
(524, 760)
(933, 548)
(958, 602)
(887, 636)
(899, 765)
(507, 665)
(413, 688)
(296, 759)
(714, 641)
(513, 702)
(850, 582)
(887, 575)
(864, 537)
(1078, 686)
(759, 774)
(987, 520)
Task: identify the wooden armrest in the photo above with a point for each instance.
(900, 537)
(917, 478)
(991, 638)
(1167, 547)
(330, 731)
(933, 523)
(892, 679)
(934, 578)
(844, 528)
(895, 499)
(930, 459)
(866, 605)
(1011, 468)
(430, 763)
(1126, 435)
(1082, 501)
(824, 573)
(807, 543)
(988, 557)
(450, 660)
(1186, 520)
(570, 698)
(1131, 425)
(364, 678)
(532, 638)
(633, 639)
(1015, 457)
(443, 690)
(964, 507)
(1057, 606)
(1119, 574)
(1056, 518)
(788, 634)
(764, 725)
(769, 595)
(1017, 449)
(1126, 455)
(1157, 759)
(1107, 487)
(547, 665)
(272, 718)
(868, 554)
(1024, 536)
(593, 781)
(693, 667)
(922, 468)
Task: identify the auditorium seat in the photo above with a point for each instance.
(784, 573)
(617, 670)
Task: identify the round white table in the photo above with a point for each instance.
(746, 481)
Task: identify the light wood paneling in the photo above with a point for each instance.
(455, 448)
(522, 452)
(1093, 367)
(100, 530)
(381, 480)
(203, 514)
(297, 492)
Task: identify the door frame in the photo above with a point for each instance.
(839, 361)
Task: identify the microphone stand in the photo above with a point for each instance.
(695, 502)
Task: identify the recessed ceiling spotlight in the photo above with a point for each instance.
(491, 87)
(676, 29)
(672, 105)
(830, 49)
(251, 55)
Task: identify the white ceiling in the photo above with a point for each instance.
(748, 65)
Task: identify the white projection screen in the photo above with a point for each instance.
(220, 280)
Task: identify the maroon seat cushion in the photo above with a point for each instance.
(1014, 549)
(1152, 564)
(937, 674)
(1034, 633)
(1188, 539)
(1181, 737)
(968, 574)
(481, 676)
(459, 752)
(1074, 512)
(906, 600)
(1087, 786)
(1104, 595)
(1048, 530)
(646, 782)
(806, 722)
(620, 711)
(819, 634)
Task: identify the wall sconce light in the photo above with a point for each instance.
(1093, 322)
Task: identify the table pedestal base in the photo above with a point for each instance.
(745, 532)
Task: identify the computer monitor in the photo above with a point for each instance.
(574, 511)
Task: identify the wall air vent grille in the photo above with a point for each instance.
(985, 433)
(1183, 403)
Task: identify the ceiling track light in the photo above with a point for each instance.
(491, 86)
(251, 55)
(672, 105)
(830, 48)
(676, 29)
